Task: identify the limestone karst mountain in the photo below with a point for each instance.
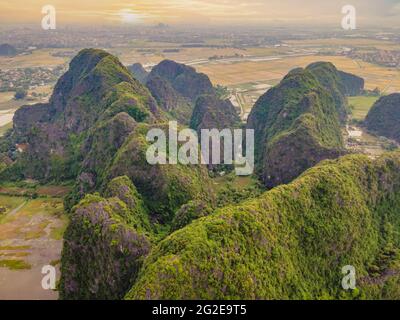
(384, 117)
(177, 87)
(138, 72)
(290, 243)
(298, 123)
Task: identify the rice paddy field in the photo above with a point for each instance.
(38, 58)
(386, 79)
(31, 232)
(361, 106)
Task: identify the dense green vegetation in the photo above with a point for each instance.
(95, 89)
(144, 231)
(292, 242)
(175, 184)
(384, 117)
(111, 235)
(297, 123)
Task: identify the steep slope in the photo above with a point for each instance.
(331, 79)
(105, 243)
(212, 113)
(96, 88)
(384, 117)
(99, 149)
(354, 85)
(118, 148)
(176, 88)
(297, 123)
(179, 107)
(138, 72)
(175, 185)
(292, 242)
(184, 79)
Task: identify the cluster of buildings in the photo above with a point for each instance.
(28, 78)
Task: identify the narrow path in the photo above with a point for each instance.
(16, 210)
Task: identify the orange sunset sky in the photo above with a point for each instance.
(378, 12)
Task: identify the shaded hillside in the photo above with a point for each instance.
(96, 88)
(384, 117)
(175, 184)
(184, 79)
(212, 113)
(176, 88)
(138, 72)
(297, 123)
(353, 85)
(165, 188)
(93, 130)
(292, 242)
(169, 99)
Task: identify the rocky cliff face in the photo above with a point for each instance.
(297, 123)
(290, 243)
(354, 85)
(384, 117)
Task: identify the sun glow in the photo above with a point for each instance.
(130, 16)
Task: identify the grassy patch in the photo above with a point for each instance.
(14, 254)
(361, 106)
(58, 232)
(55, 262)
(15, 247)
(9, 203)
(38, 232)
(15, 264)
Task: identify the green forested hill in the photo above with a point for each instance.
(297, 123)
(292, 242)
(384, 117)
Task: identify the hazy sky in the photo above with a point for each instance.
(378, 12)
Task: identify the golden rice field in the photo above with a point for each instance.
(39, 58)
(386, 79)
(345, 42)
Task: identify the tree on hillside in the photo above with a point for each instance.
(20, 94)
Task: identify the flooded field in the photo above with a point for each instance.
(30, 237)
